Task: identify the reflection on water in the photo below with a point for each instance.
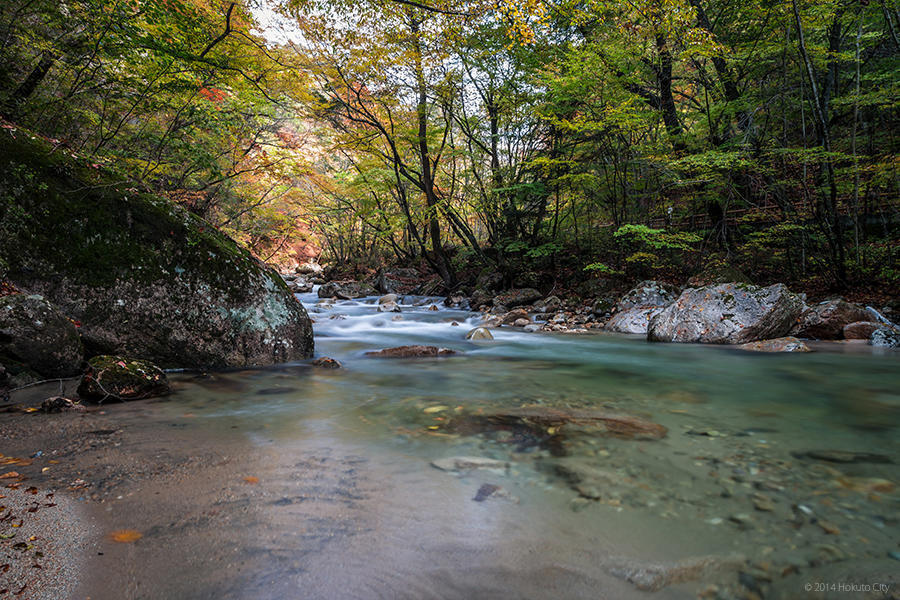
(775, 468)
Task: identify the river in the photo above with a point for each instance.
(303, 482)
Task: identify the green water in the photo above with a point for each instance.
(343, 501)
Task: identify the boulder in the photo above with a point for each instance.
(826, 320)
(885, 337)
(394, 281)
(517, 297)
(143, 276)
(860, 330)
(411, 352)
(727, 314)
(479, 333)
(326, 362)
(521, 322)
(513, 316)
(34, 335)
(603, 306)
(389, 298)
(648, 293)
(310, 268)
(479, 298)
(118, 378)
(345, 290)
(633, 320)
(784, 344)
(388, 307)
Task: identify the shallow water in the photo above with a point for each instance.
(301, 482)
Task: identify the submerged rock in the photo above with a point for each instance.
(784, 344)
(34, 335)
(652, 577)
(469, 463)
(727, 314)
(326, 362)
(411, 352)
(826, 320)
(118, 378)
(143, 276)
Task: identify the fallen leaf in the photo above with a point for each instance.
(9, 475)
(126, 536)
(251, 479)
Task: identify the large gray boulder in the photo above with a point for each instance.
(144, 277)
(633, 320)
(634, 310)
(648, 293)
(826, 320)
(729, 313)
(35, 336)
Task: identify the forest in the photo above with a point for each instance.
(549, 142)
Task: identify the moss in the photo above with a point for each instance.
(59, 215)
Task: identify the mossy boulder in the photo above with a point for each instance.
(826, 320)
(36, 337)
(118, 378)
(144, 277)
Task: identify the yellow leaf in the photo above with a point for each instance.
(434, 409)
(126, 536)
(251, 479)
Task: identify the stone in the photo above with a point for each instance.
(603, 306)
(532, 328)
(885, 337)
(784, 344)
(633, 320)
(521, 322)
(513, 316)
(479, 333)
(727, 314)
(648, 293)
(388, 307)
(326, 362)
(309, 268)
(59, 404)
(300, 286)
(542, 418)
(411, 352)
(860, 330)
(490, 490)
(826, 320)
(652, 577)
(34, 335)
(345, 290)
(117, 378)
(143, 276)
(389, 298)
(479, 298)
(517, 297)
(469, 463)
(843, 456)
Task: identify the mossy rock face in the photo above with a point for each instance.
(144, 277)
(36, 337)
(110, 378)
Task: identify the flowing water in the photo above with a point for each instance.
(303, 482)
